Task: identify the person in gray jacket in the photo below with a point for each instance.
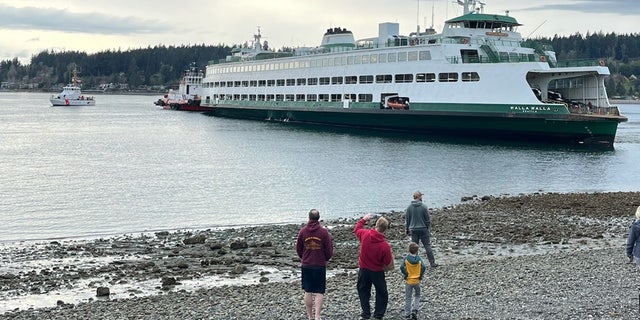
(418, 225)
(633, 241)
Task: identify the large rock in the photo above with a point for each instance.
(198, 239)
(102, 292)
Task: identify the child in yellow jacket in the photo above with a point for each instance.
(413, 269)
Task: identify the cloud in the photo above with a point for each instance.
(622, 7)
(49, 19)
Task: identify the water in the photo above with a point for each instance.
(126, 166)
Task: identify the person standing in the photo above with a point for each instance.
(314, 246)
(418, 225)
(633, 241)
(374, 259)
(412, 268)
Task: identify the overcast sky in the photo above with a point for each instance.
(31, 26)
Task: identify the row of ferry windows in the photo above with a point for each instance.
(363, 97)
(330, 62)
(367, 79)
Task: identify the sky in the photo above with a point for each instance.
(28, 27)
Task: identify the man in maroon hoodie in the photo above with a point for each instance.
(314, 247)
(375, 258)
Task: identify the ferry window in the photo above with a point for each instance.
(236, 97)
(261, 97)
(271, 83)
(350, 96)
(252, 97)
(336, 80)
(412, 56)
(291, 65)
(328, 62)
(253, 83)
(291, 82)
(402, 56)
(337, 61)
(223, 84)
(279, 97)
(365, 58)
(336, 97)
(323, 97)
(384, 78)
(366, 79)
(312, 97)
(288, 97)
(382, 57)
(470, 76)
(216, 84)
(424, 55)
(373, 58)
(350, 60)
(357, 59)
(229, 84)
(312, 81)
(504, 56)
(324, 81)
(365, 97)
(343, 60)
(312, 63)
(243, 97)
(448, 77)
(236, 83)
(245, 83)
(351, 79)
(262, 83)
(299, 97)
(280, 82)
(404, 78)
(270, 97)
(301, 81)
(425, 77)
(392, 57)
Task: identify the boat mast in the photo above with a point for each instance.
(470, 6)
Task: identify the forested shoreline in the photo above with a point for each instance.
(160, 66)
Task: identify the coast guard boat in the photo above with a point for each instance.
(478, 77)
(71, 94)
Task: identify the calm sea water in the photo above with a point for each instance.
(126, 166)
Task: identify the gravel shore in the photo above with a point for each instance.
(538, 256)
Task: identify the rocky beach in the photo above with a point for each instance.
(533, 256)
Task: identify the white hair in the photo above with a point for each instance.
(638, 213)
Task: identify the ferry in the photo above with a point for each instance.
(478, 77)
(71, 94)
(188, 97)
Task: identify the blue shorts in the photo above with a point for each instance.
(314, 279)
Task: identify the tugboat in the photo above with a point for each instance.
(71, 94)
(189, 94)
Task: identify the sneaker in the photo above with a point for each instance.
(435, 265)
(414, 315)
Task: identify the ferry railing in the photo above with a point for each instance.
(580, 63)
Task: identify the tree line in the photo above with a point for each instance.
(163, 65)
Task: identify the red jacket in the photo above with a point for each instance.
(314, 245)
(375, 251)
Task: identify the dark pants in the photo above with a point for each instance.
(366, 278)
(423, 235)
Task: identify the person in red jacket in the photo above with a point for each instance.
(314, 246)
(375, 258)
